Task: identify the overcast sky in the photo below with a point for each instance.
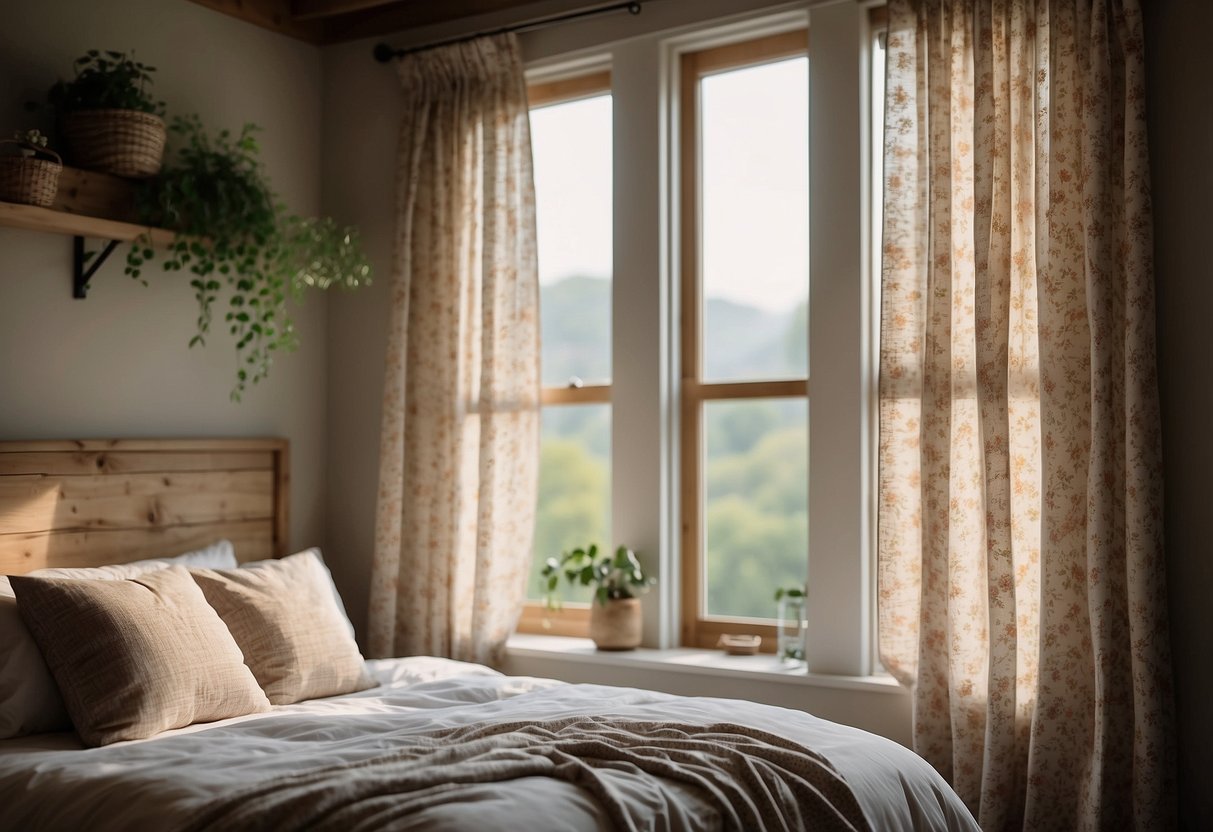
(755, 185)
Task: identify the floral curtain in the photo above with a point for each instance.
(460, 430)
(1021, 562)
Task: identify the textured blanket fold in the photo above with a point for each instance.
(755, 780)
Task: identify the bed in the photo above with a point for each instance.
(429, 743)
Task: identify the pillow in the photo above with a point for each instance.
(328, 576)
(293, 635)
(29, 701)
(156, 656)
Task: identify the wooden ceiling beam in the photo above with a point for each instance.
(318, 9)
(274, 15)
(332, 21)
(399, 16)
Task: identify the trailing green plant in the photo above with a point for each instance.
(238, 242)
(615, 577)
(106, 80)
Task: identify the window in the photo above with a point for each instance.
(744, 146)
(571, 141)
(741, 180)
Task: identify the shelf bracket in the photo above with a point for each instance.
(80, 275)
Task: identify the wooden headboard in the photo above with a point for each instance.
(93, 502)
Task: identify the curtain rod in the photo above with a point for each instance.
(384, 52)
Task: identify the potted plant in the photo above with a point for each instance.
(615, 614)
(237, 241)
(29, 170)
(107, 116)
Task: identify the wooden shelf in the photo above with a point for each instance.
(78, 226)
(33, 218)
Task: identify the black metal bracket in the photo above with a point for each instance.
(80, 275)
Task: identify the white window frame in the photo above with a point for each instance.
(645, 337)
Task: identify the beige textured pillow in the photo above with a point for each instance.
(287, 623)
(134, 658)
(29, 699)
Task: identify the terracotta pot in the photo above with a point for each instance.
(616, 625)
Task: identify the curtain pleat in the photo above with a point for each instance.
(459, 437)
(1022, 594)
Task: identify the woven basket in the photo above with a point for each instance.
(30, 180)
(122, 142)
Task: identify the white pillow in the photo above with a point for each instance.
(29, 698)
(345, 616)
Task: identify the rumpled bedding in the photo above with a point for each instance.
(206, 776)
(754, 780)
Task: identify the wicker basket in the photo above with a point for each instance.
(122, 142)
(30, 180)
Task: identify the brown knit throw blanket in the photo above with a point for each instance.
(755, 780)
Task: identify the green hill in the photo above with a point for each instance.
(576, 335)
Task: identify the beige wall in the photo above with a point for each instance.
(117, 364)
(362, 111)
(1180, 65)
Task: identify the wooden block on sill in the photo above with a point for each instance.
(90, 193)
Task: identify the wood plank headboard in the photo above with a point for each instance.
(93, 502)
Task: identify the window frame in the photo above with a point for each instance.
(572, 619)
(647, 217)
(876, 36)
(698, 629)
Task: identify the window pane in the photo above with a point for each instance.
(755, 203)
(756, 490)
(571, 143)
(574, 488)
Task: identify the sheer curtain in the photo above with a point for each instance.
(460, 430)
(1021, 563)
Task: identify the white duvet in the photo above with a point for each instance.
(49, 782)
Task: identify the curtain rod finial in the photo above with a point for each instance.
(383, 53)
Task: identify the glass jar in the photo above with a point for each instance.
(791, 625)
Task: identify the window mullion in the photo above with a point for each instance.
(840, 601)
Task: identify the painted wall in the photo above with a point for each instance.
(1180, 103)
(117, 364)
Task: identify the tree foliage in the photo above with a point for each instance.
(756, 476)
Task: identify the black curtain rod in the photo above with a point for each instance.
(384, 52)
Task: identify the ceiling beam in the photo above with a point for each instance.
(274, 15)
(398, 16)
(317, 9)
(332, 21)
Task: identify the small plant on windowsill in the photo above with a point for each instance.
(615, 615)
